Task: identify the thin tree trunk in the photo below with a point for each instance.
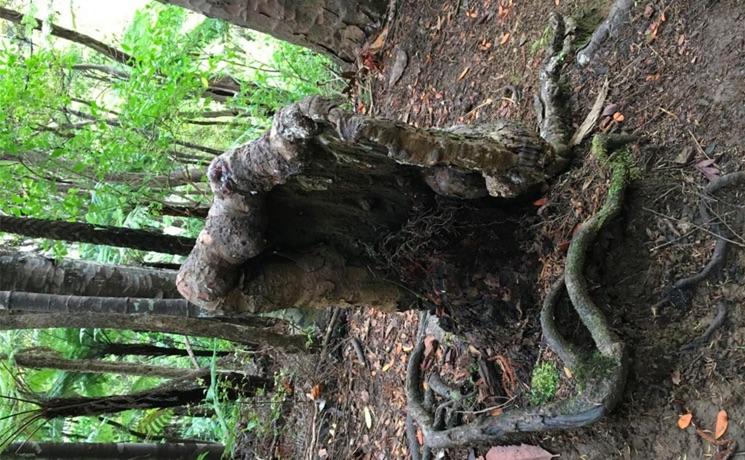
(97, 234)
(42, 360)
(25, 271)
(87, 314)
(176, 393)
(138, 349)
(106, 451)
(337, 28)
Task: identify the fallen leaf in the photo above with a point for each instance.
(618, 117)
(379, 41)
(387, 366)
(497, 411)
(505, 37)
(540, 202)
(721, 426)
(684, 421)
(368, 417)
(419, 437)
(315, 392)
(521, 452)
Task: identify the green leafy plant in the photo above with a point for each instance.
(543, 383)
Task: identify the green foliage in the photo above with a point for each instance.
(543, 383)
(88, 139)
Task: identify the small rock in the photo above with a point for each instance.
(399, 65)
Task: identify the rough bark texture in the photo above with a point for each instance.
(120, 450)
(187, 391)
(153, 323)
(143, 349)
(337, 28)
(96, 234)
(22, 271)
(325, 184)
(46, 360)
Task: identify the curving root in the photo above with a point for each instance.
(681, 291)
(607, 369)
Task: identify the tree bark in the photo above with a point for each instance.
(25, 271)
(46, 360)
(322, 176)
(141, 349)
(97, 234)
(190, 390)
(112, 451)
(337, 28)
(12, 316)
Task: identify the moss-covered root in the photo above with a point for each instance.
(605, 375)
(576, 284)
(560, 345)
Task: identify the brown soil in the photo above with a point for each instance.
(676, 76)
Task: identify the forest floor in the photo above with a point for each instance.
(677, 80)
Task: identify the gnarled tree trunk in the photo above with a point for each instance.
(337, 28)
(308, 198)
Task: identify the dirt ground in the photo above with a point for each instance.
(676, 78)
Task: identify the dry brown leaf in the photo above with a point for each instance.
(684, 421)
(419, 437)
(618, 117)
(379, 41)
(315, 392)
(497, 411)
(722, 422)
(521, 452)
(505, 37)
(540, 202)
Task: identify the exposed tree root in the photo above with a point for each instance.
(704, 338)
(605, 372)
(680, 293)
(618, 14)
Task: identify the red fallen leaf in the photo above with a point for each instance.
(564, 245)
(521, 452)
(722, 422)
(540, 202)
(684, 421)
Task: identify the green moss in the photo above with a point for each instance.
(544, 383)
(596, 367)
(542, 41)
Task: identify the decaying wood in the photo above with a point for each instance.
(323, 183)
